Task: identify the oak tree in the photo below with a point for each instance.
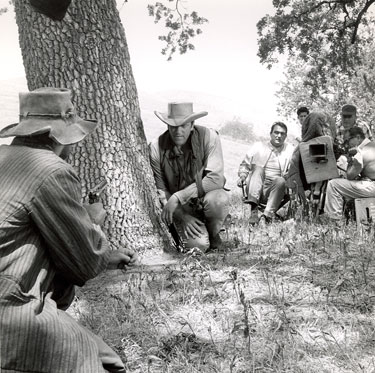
(87, 52)
(327, 34)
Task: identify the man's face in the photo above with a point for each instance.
(354, 142)
(348, 120)
(302, 117)
(180, 134)
(278, 136)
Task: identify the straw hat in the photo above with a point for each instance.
(179, 113)
(49, 110)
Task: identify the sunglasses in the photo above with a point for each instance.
(347, 116)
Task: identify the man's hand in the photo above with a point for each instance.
(96, 212)
(355, 163)
(169, 209)
(241, 180)
(355, 166)
(192, 226)
(243, 177)
(122, 259)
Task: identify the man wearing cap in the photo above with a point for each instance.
(49, 242)
(188, 167)
(263, 170)
(348, 120)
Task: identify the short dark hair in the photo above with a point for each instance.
(280, 124)
(303, 109)
(356, 131)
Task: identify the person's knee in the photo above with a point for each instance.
(329, 185)
(280, 183)
(202, 242)
(332, 185)
(216, 200)
(257, 170)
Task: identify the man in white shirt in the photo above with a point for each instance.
(360, 181)
(263, 171)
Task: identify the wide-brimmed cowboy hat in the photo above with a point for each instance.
(179, 113)
(49, 110)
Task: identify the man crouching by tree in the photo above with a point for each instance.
(49, 242)
(263, 171)
(188, 167)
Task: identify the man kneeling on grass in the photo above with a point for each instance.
(188, 167)
(263, 171)
(49, 242)
(360, 181)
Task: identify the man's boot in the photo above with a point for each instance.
(254, 214)
(215, 243)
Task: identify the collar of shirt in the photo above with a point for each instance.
(276, 150)
(363, 143)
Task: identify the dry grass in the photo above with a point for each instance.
(291, 297)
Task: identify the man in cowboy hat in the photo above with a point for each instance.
(188, 167)
(49, 242)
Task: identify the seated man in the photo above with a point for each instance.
(188, 167)
(263, 171)
(49, 242)
(360, 175)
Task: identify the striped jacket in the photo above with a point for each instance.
(46, 237)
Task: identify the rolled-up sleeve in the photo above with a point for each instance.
(246, 164)
(78, 248)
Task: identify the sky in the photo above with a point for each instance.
(224, 62)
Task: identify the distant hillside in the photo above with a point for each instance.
(219, 111)
(9, 101)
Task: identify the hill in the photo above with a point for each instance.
(9, 101)
(219, 110)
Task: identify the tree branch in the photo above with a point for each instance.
(368, 85)
(359, 19)
(180, 15)
(310, 10)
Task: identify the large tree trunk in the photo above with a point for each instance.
(87, 52)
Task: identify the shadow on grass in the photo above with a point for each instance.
(289, 297)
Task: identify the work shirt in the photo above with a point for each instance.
(275, 161)
(359, 156)
(47, 242)
(213, 176)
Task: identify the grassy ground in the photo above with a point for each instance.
(289, 297)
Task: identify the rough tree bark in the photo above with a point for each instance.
(87, 52)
